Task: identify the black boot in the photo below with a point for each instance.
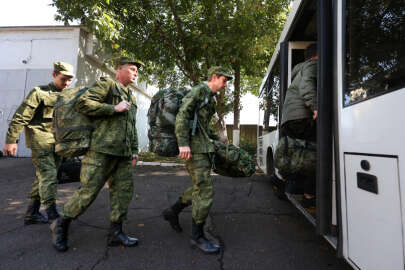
(117, 237)
(199, 240)
(52, 212)
(171, 214)
(33, 216)
(60, 228)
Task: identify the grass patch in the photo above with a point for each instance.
(152, 157)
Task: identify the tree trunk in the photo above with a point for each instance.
(219, 121)
(236, 106)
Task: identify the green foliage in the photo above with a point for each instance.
(249, 147)
(179, 40)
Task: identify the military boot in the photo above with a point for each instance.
(199, 240)
(52, 212)
(171, 214)
(60, 228)
(117, 237)
(33, 216)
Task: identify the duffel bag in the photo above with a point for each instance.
(295, 156)
(232, 161)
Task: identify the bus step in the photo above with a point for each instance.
(308, 213)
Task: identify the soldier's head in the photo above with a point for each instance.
(311, 52)
(62, 75)
(127, 70)
(218, 78)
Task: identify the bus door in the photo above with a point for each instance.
(371, 111)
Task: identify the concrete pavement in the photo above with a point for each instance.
(257, 231)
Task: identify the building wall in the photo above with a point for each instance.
(248, 133)
(27, 55)
(26, 60)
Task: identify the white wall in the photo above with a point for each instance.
(26, 60)
(38, 47)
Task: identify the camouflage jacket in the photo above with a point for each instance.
(35, 114)
(200, 143)
(115, 133)
(301, 97)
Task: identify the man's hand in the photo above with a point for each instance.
(315, 114)
(134, 160)
(223, 139)
(123, 106)
(10, 149)
(185, 152)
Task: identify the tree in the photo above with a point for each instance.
(180, 40)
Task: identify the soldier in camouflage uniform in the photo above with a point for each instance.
(300, 111)
(35, 115)
(113, 152)
(197, 151)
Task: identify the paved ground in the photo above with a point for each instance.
(257, 231)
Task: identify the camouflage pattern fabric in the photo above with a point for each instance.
(295, 156)
(115, 133)
(72, 129)
(161, 118)
(96, 169)
(200, 102)
(201, 193)
(35, 115)
(44, 187)
(200, 97)
(232, 161)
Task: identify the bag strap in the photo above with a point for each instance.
(195, 120)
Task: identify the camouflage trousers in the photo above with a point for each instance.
(97, 169)
(46, 164)
(201, 193)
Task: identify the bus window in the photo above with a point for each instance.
(271, 99)
(375, 50)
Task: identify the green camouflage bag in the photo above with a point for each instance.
(295, 156)
(162, 113)
(72, 129)
(232, 161)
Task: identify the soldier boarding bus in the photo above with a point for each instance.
(360, 148)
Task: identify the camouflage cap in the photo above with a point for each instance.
(63, 68)
(218, 70)
(123, 60)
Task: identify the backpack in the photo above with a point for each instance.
(162, 113)
(232, 161)
(72, 129)
(295, 156)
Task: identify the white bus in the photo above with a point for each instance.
(360, 180)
